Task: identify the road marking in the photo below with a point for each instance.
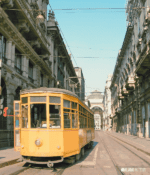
(90, 162)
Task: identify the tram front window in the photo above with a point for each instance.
(38, 116)
(55, 116)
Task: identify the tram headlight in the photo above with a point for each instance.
(38, 142)
(58, 147)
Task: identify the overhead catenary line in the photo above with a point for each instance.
(101, 8)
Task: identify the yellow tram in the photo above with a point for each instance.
(50, 125)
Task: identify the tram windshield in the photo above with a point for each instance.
(38, 116)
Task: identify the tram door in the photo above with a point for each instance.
(17, 125)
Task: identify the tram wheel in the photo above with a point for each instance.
(78, 156)
(91, 144)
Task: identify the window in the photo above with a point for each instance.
(74, 105)
(54, 99)
(67, 118)
(66, 104)
(55, 116)
(3, 48)
(74, 120)
(38, 99)
(85, 124)
(24, 100)
(81, 120)
(38, 116)
(25, 116)
(30, 70)
(18, 62)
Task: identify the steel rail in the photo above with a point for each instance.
(111, 157)
(130, 150)
(30, 166)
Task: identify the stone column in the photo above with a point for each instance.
(13, 55)
(9, 52)
(56, 65)
(24, 66)
(65, 78)
(36, 75)
(45, 81)
(10, 120)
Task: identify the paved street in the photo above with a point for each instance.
(109, 155)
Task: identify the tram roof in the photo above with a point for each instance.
(45, 89)
(50, 90)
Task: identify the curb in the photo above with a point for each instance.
(10, 162)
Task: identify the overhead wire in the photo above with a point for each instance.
(100, 8)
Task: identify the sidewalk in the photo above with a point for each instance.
(142, 144)
(8, 156)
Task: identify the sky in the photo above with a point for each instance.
(94, 36)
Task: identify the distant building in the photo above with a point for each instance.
(81, 80)
(107, 121)
(96, 100)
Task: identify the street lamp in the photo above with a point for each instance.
(40, 18)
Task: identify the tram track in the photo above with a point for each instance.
(147, 153)
(119, 172)
(131, 151)
(32, 169)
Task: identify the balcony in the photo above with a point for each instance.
(130, 83)
(120, 96)
(124, 92)
(117, 111)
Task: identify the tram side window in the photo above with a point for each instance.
(25, 116)
(55, 116)
(67, 120)
(88, 122)
(81, 119)
(38, 116)
(85, 122)
(74, 120)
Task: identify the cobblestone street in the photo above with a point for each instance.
(112, 153)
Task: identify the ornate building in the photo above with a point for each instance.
(80, 76)
(130, 87)
(107, 121)
(96, 101)
(33, 55)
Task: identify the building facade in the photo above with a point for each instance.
(96, 101)
(33, 55)
(107, 121)
(81, 80)
(130, 87)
